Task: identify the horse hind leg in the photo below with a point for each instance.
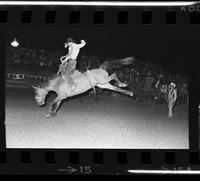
(96, 97)
(115, 88)
(119, 83)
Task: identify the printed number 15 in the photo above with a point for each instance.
(86, 169)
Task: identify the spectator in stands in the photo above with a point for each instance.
(149, 87)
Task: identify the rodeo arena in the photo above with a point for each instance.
(132, 111)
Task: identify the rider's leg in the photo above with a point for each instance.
(71, 71)
(63, 70)
(66, 71)
(119, 83)
(73, 64)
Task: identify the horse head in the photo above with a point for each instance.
(40, 94)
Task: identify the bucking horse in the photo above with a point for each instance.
(84, 81)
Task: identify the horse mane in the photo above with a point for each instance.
(45, 83)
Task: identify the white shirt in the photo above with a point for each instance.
(172, 95)
(74, 49)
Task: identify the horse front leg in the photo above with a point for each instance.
(54, 107)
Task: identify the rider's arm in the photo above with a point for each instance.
(63, 57)
(82, 44)
(175, 94)
(66, 45)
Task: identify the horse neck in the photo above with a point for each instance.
(46, 87)
(45, 91)
(52, 83)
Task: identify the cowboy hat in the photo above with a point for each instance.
(173, 84)
(70, 40)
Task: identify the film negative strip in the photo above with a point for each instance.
(99, 87)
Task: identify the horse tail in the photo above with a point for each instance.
(117, 63)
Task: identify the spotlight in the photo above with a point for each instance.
(15, 43)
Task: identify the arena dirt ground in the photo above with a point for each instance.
(115, 122)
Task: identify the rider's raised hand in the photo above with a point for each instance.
(66, 45)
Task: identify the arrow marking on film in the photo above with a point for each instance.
(68, 170)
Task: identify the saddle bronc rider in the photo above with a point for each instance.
(68, 62)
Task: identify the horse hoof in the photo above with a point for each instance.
(48, 116)
(51, 115)
(123, 85)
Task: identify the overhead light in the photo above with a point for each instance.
(15, 43)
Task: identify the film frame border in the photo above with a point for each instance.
(97, 161)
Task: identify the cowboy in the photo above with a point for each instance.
(68, 62)
(172, 96)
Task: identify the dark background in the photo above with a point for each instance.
(172, 48)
